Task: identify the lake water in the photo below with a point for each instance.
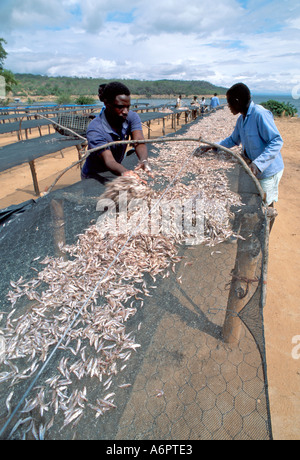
(257, 98)
(186, 101)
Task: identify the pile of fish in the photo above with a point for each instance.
(79, 303)
(82, 307)
(134, 189)
(203, 177)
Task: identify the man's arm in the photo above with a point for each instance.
(272, 138)
(115, 167)
(141, 151)
(233, 140)
(111, 164)
(229, 142)
(96, 137)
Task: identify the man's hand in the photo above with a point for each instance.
(246, 159)
(145, 166)
(129, 173)
(203, 149)
(254, 169)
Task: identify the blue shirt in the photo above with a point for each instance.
(260, 140)
(100, 132)
(214, 102)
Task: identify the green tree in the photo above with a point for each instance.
(64, 99)
(280, 108)
(85, 100)
(9, 77)
(3, 53)
(10, 81)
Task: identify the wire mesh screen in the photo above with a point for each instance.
(137, 336)
(77, 123)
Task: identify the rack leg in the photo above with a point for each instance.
(34, 178)
(248, 252)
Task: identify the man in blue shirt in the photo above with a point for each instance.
(261, 141)
(117, 122)
(214, 101)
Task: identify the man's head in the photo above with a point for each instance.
(116, 97)
(100, 91)
(238, 98)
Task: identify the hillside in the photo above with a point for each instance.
(38, 85)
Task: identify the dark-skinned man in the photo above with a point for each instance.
(261, 141)
(117, 122)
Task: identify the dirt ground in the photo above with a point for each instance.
(282, 311)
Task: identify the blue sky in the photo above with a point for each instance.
(221, 41)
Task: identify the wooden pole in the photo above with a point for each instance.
(174, 121)
(34, 178)
(80, 149)
(243, 278)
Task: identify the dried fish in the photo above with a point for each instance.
(159, 393)
(125, 385)
(74, 415)
(82, 301)
(7, 403)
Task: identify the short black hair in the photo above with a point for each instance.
(241, 92)
(114, 89)
(100, 91)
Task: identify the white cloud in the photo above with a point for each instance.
(31, 14)
(221, 41)
(174, 17)
(294, 23)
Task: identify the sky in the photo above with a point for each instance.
(256, 42)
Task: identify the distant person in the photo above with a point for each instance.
(178, 102)
(203, 104)
(100, 95)
(195, 101)
(261, 141)
(214, 102)
(116, 122)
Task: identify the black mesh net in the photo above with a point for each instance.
(160, 338)
(16, 154)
